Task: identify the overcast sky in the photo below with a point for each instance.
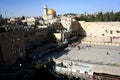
(10, 8)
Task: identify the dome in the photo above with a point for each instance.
(51, 12)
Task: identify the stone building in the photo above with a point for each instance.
(12, 45)
(58, 30)
(36, 38)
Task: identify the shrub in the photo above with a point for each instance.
(39, 64)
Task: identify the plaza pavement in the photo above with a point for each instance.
(96, 54)
(103, 58)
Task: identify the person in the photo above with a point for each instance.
(51, 64)
(89, 46)
(107, 53)
(71, 64)
(78, 47)
(61, 64)
(34, 60)
(19, 63)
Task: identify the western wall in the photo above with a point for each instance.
(106, 32)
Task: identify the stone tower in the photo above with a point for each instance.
(45, 10)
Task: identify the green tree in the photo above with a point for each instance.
(117, 16)
(77, 18)
(90, 18)
(82, 17)
(106, 17)
(39, 65)
(99, 16)
(111, 15)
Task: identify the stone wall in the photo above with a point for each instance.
(12, 46)
(36, 38)
(101, 28)
(102, 31)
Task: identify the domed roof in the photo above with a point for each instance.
(51, 12)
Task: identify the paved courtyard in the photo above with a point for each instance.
(98, 54)
(103, 58)
(94, 54)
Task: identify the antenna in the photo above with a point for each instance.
(5, 14)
